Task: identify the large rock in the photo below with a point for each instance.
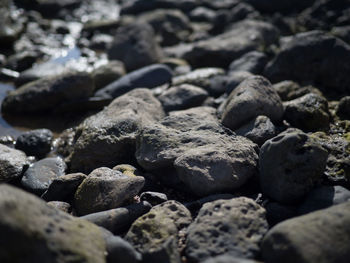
(108, 138)
(253, 62)
(206, 158)
(31, 231)
(304, 52)
(35, 142)
(322, 237)
(12, 163)
(234, 227)
(253, 97)
(290, 166)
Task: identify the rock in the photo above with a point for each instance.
(309, 113)
(194, 206)
(108, 73)
(342, 32)
(289, 90)
(105, 189)
(234, 227)
(63, 206)
(118, 220)
(324, 197)
(253, 97)
(202, 14)
(12, 164)
(343, 109)
(200, 150)
(155, 233)
(43, 233)
(269, 6)
(108, 138)
(235, 78)
(253, 62)
(182, 97)
(47, 94)
(228, 259)
(276, 212)
(135, 45)
(258, 130)
(147, 77)
(119, 250)
(290, 166)
(319, 237)
(329, 72)
(221, 50)
(153, 198)
(127, 169)
(63, 188)
(10, 25)
(35, 142)
(40, 175)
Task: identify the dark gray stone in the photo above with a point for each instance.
(276, 212)
(235, 78)
(119, 250)
(253, 62)
(343, 109)
(290, 90)
(108, 73)
(35, 142)
(12, 164)
(271, 6)
(153, 198)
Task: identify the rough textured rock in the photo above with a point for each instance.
(234, 227)
(63, 206)
(105, 189)
(153, 198)
(290, 166)
(290, 90)
(253, 62)
(43, 233)
(108, 138)
(12, 163)
(253, 97)
(35, 142)
(108, 73)
(321, 237)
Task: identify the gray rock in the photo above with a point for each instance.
(147, 77)
(40, 175)
(290, 90)
(108, 73)
(48, 93)
(105, 189)
(279, 5)
(202, 14)
(258, 130)
(43, 233)
(331, 71)
(321, 237)
(276, 212)
(253, 62)
(63, 206)
(35, 142)
(235, 227)
(182, 97)
(127, 169)
(135, 45)
(228, 259)
(308, 113)
(290, 166)
(12, 164)
(153, 198)
(253, 97)
(235, 78)
(119, 250)
(10, 25)
(118, 220)
(343, 109)
(342, 32)
(109, 137)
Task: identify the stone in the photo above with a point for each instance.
(63, 206)
(48, 93)
(10, 25)
(276, 212)
(182, 97)
(253, 62)
(228, 259)
(109, 137)
(119, 250)
(118, 220)
(290, 166)
(146, 77)
(308, 113)
(330, 72)
(105, 189)
(279, 6)
(40, 175)
(343, 109)
(202, 14)
(63, 188)
(153, 198)
(342, 32)
(290, 90)
(43, 233)
(108, 73)
(135, 45)
(321, 237)
(258, 130)
(235, 227)
(127, 169)
(253, 97)
(35, 142)
(12, 164)
(235, 78)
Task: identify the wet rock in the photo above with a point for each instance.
(309, 113)
(135, 45)
(276, 212)
(228, 259)
(119, 250)
(40, 175)
(12, 164)
(63, 187)
(43, 233)
(153, 198)
(253, 62)
(330, 72)
(258, 130)
(254, 96)
(343, 109)
(155, 233)
(290, 166)
(109, 137)
(235, 78)
(108, 73)
(234, 227)
(63, 206)
(46, 94)
(147, 77)
(105, 189)
(221, 50)
(316, 237)
(35, 142)
(290, 90)
(182, 97)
